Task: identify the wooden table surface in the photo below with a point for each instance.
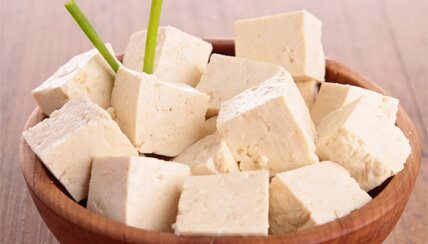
(385, 40)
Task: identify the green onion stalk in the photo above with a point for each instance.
(90, 32)
(152, 35)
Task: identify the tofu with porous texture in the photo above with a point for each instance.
(269, 127)
(85, 74)
(309, 90)
(360, 138)
(180, 57)
(138, 191)
(227, 76)
(158, 117)
(224, 204)
(67, 142)
(210, 155)
(292, 40)
(312, 195)
(333, 96)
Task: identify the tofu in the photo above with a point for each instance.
(309, 90)
(360, 138)
(210, 155)
(292, 40)
(180, 57)
(333, 96)
(227, 76)
(225, 204)
(85, 74)
(67, 142)
(312, 195)
(269, 127)
(210, 126)
(142, 192)
(158, 117)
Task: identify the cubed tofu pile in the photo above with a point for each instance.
(239, 145)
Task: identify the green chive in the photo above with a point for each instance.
(90, 32)
(152, 35)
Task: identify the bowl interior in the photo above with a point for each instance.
(39, 181)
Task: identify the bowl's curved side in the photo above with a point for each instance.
(71, 223)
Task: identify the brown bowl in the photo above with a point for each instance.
(70, 222)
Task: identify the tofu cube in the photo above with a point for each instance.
(180, 57)
(309, 90)
(292, 40)
(333, 96)
(210, 155)
(312, 195)
(158, 117)
(361, 139)
(142, 192)
(227, 76)
(225, 204)
(67, 142)
(85, 74)
(269, 126)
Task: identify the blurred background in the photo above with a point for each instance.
(386, 40)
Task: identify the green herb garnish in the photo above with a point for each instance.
(90, 32)
(152, 35)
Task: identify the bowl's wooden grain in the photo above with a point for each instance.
(72, 223)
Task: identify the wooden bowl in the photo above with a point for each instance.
(70, 222)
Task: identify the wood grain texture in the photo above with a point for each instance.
(385, 40)
(71, 223)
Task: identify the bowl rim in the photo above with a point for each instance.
(394, 194)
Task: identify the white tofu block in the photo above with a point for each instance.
(138, 191)
(312, 195)
(210, 155)
(158, 117)
(269, 126)
(227, 76)
(180, 57)
(333, 96)
(68, 140)
(225, 204)
(210, 126)
(292, 40)
(361, 139)
(85, 74)
(309, 90)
